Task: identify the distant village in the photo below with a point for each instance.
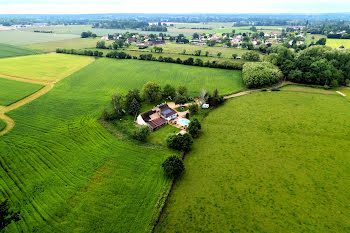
(291, 36)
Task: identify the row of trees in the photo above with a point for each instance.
(88, 34)
(95, 53)
(318, 65)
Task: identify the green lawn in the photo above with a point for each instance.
(129, 74)
(12, 91)
(2, 125)
(66, 173)
(7, 50)
(336, 43)
(159, 136)
(267, 162)
(16, 37)
(44, 67)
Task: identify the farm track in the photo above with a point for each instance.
(10, 123)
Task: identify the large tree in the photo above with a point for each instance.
(152, 92)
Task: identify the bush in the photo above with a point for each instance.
(194, 127)
(141, 133)
(251, 56)
(180, 142)
(193, 108)
(180, 99)
(173, 167)
(260, 74)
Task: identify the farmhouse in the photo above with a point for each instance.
(157, 117)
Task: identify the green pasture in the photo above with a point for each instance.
(43, 67)
(66, 173)
(267, 162)
(129, 74)
(313, 38)
(76, 43)
(173, 48)
(11, 91)
(336, 43)
(16, 37)
(7, 50)
(306, 89)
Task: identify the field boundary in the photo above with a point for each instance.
(10, 123)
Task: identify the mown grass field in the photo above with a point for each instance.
(16, 37)
(7, 50)
(66, 173)
(12, 91)
(76, 43)
(302, 88)
(267, 162)
(336, 43)
(43, 67)
(174, 48)
(130, 74)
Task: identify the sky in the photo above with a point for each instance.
(171, 6)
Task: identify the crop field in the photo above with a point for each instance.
(2, 125)
(78, 29)
(11, 91)
(7, 50)
(336, 43)
(66, 173)
(76, 43)
(267, 162)
(16, 37)
(313, 38)
(129, 74)
(43, 67)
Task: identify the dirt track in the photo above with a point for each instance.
(10, 123)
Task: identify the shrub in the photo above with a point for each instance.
(260, 74)
(180, 142)
(193, 108)
(180, 99)
(251, 56)
(173, 167)
(194, 127)
(141, 133)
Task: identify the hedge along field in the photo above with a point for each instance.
(11, 91)
(267, 162)
(43, 67)
(129, 74)
(17, 37)
(336, 43)
(7, 50)
(66, 173)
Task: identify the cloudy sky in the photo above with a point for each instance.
(173, 6)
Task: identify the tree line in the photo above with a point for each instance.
(319, 65)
